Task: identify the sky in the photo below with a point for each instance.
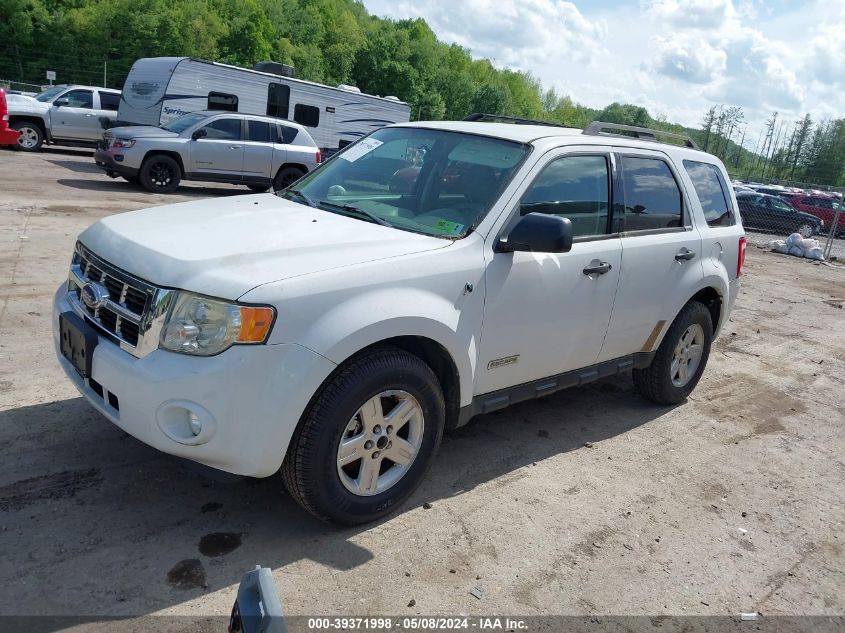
(674, 57)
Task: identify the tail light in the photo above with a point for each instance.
(319, 157)
(740, 257)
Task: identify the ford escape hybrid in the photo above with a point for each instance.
(427, 273)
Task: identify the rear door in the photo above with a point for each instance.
(661, 252)
(258, 150)
(78, 119)
(221, 151)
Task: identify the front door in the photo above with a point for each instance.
(547, 313)
(221, 151)
(661, 253)
(77, 119)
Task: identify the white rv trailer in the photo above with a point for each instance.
(158, 89)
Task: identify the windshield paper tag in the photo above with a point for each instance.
(452, 228)
(361, 148)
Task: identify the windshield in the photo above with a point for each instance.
(426, 181)
(182, 123)
(48, 94)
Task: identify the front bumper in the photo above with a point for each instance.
(112, 162)
(249, 398)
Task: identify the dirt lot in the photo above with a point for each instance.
(732, 502)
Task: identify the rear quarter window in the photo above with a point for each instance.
(712, 193)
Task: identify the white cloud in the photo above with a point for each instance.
(515, 33)
(702, 14)
(688, 58)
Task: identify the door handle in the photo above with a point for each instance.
(88, 114)
(601, 269)
(234, 146)
(684, 255)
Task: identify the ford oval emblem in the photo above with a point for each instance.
(94, 295)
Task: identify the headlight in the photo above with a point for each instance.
(124, 143)
(203, 327)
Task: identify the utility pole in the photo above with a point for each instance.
(105, 67)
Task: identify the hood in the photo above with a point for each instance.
(23, 103)
(139, 131)
(225, 247)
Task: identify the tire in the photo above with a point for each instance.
(31, 138)
(259, 188)
(312, 471)
(160, 174)
(286, 177)
(659, 382)
(806, 230)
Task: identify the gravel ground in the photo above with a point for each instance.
(588, 502)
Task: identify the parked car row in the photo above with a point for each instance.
(778, 208)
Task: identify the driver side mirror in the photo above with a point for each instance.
(538, 233)
(198, 134)
(60, 102)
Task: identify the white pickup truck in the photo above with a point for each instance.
(428, 273)
(62, 114)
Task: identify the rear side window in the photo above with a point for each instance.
(222, 101)
(652, 196)
(259, 131)
(306, 115)
(710, 188)
(574, 187)
(288, 133)
(278, 100)
(109, 101)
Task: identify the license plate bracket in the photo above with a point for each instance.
(78, 340)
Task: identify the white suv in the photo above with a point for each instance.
(428, 273)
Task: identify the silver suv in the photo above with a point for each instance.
(249, 150)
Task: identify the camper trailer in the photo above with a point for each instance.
(159, 89)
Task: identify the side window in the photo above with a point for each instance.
(259, 131)
(278, 100)
(306, 115)
(288, 133)
(652, 197)
(79, 99)
(710, 188)
(109, 101)
(222, 101)
(574, 187)
(224, 130)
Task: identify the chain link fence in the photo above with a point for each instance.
(775, 210)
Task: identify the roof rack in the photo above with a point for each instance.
(597, 128)
(501, 118)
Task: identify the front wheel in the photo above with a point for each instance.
(805, 230)
(160, 174)
(681, 358)
(31, 137)
(368, 438)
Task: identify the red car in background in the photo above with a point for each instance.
(8, 136)
(822, 206)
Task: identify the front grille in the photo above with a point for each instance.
(122, 313)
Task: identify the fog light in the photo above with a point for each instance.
(194, 421)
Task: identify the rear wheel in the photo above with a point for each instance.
(681, 358)
(160, 174)
(286, 177)
(31, 137)
(369, 437)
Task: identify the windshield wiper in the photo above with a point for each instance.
(348, 208)
(302, 197)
